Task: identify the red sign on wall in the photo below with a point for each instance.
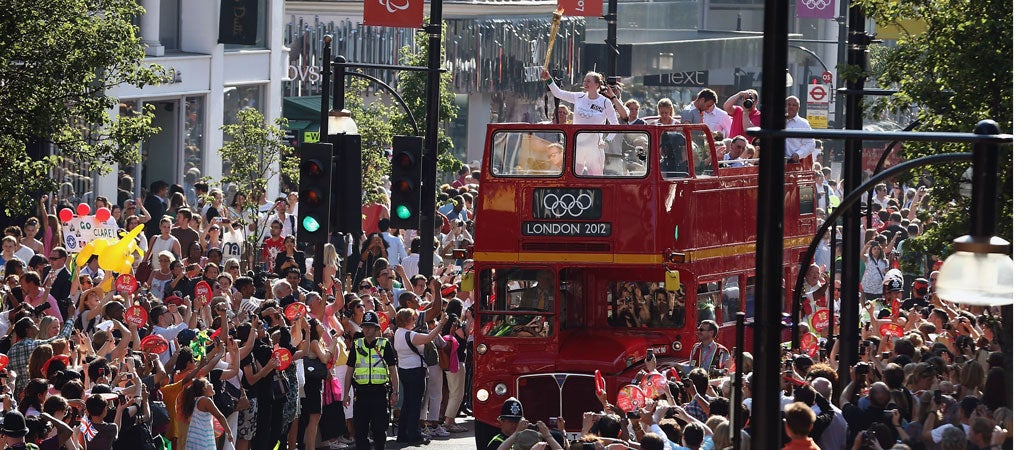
(588, 8)
(393, 13)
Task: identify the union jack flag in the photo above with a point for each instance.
(88, 431)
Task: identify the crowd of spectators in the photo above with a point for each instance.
(259, 363)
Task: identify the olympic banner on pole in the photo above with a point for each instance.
(816, 9)
(393, 13)
(587, 8)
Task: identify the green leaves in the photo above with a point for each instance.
(57, 60)
(953, 75)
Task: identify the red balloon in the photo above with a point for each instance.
(66, 215)
(83, 209)
(102, 214)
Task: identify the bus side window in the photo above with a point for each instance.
(709, 298)
(702, 160)
(730, 298)
(749, 297)
(673, 155)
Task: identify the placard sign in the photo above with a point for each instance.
(566, 212)
(136, 315)
(203, 291)
(890, 329)
(284, 358)
(80, 231)
(126, 283)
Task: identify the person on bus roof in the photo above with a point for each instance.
(706, 353)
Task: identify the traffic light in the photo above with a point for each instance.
(406, 178)
(315, 169)
(346, 211)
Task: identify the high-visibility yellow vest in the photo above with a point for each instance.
(370, 365)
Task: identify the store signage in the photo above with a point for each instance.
(695, 78)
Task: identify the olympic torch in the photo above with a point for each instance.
(556, 20)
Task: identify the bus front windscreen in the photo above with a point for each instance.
(635, 304)
(520, 303)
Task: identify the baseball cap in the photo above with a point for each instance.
(512, 409)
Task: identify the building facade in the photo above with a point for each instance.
(211, 82)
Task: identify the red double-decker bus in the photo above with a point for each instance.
(581, 232)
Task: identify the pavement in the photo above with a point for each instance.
(457, 441)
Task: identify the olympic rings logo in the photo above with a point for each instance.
(568, 204)
(816, 4)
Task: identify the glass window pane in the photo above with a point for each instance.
(592, 158)
(645, 304)
(730, 298)
(709, 297)
(527, 154)
(237, 98)
(674, 157)
(195, 121)
(526, 299)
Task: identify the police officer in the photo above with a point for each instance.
(511, 414)
(372, 363)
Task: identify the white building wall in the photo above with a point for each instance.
(204, 68)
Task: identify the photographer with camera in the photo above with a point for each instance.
(743, 108)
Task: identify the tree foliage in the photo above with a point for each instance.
(375, 129)
(952, 76)
(257, 152)
(57, 60)
(413, 86)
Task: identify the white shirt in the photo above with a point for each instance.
(802, 147)
(171, 334)
(407, 358)
(396, 249)
(25, 254)
(587, 111)
(718, 120)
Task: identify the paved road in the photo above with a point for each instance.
(460, 441)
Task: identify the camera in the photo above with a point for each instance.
(862, 368)
(869, 435)
(552, 422)
(39, 309)
(612, 81)
(887, 415)
(748, 103)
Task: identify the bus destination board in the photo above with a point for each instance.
(582, 229)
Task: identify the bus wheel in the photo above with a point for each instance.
(483, 434)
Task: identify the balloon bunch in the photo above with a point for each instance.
(115, 255)
(102, 214)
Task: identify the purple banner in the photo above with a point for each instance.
(815, 9)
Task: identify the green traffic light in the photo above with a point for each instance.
(310, 224)
(403, 212)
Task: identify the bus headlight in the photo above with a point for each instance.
(677, 346)
(482, 348)
(500, 389)
(482, 395)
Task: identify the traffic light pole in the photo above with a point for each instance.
(428, 196)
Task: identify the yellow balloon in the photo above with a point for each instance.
(108, 283)
(87, 251)
(116, 252)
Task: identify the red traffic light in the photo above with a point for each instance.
(404, 159)
(313, 168)
(311, 197)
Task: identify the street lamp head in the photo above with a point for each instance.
(340, 122)
(979, 272)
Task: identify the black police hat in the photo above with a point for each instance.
(14, 424)
(512, 409)
(370, 319)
